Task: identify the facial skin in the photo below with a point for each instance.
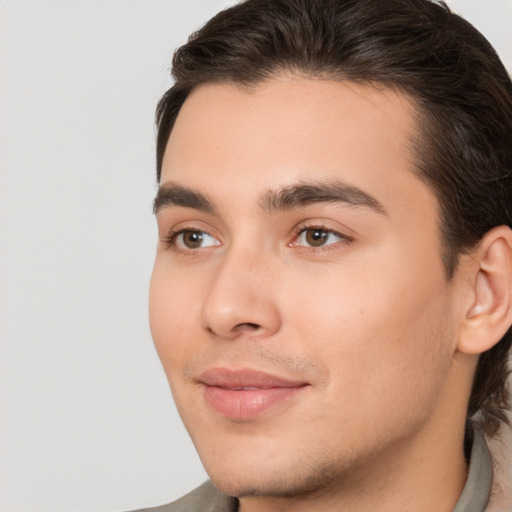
(345, 301)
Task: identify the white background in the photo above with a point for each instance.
(87, 421)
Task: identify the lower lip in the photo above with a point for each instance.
(247, 404)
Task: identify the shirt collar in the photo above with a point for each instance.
(476, 492)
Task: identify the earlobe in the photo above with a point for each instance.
(490, 314)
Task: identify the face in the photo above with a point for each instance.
(298, 302)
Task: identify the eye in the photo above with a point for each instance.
(318, 237)
(190, 239)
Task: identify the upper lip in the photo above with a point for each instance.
(246, 378)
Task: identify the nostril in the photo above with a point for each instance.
(248, 326)
(237, 329)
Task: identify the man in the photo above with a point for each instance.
(331, 296)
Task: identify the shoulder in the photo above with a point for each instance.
(206, 498)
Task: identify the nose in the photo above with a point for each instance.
(240, 299)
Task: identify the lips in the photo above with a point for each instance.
(245, 394)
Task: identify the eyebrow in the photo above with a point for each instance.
(284, 199)
(171, 194)
(305, 193)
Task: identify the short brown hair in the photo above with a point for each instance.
(462, 92)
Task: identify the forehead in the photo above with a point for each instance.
(232, 142)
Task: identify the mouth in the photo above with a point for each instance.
(246, 393)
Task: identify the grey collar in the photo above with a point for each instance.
(476, 492)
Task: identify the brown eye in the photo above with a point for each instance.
(318, 237)
(193, 239)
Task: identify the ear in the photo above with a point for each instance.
(490, 314)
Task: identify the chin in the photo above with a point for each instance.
(274, 478)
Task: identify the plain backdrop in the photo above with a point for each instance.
(87, 420)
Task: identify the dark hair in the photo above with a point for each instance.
(462, 93)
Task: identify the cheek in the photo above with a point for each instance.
(173, 313)
(378, 332)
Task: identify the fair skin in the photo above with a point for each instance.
(317, 353)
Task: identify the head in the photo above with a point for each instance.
(431, 100)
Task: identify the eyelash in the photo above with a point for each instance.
(299, 230)
(170, 239)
